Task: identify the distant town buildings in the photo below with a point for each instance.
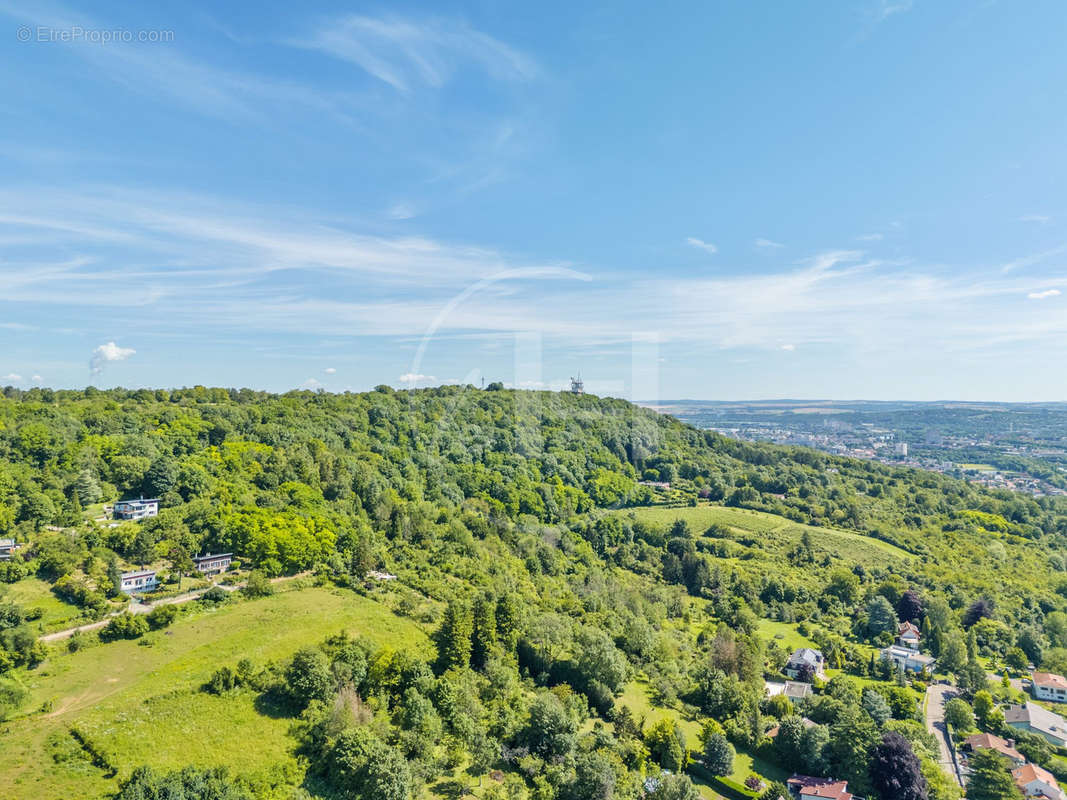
(142, 580)
(136, 509)
(901, 449)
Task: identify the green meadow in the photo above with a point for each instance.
(773, 534)
(139, 704)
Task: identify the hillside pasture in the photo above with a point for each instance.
(140, 703)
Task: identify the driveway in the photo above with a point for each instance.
(937, 695)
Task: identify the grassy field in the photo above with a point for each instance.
(35, 593)
(776, 534)
(636, 697)
(785, 634)
(141, 704)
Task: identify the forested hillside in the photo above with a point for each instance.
(565, 615)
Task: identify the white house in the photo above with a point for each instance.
(1033, 781)
(908, 635)
(803, 660)
(142, 580)
(794, 690)
(7, 549)
(213, 564)
(907, 660)
(1050, 686)
(136, 509)
(1035, 719)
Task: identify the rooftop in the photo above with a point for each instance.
(1050, 679)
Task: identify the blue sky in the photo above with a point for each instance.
(859, 199)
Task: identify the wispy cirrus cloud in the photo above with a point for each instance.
(768, 244)
(1039, 218)
(700, 244)
(889, 8)
(407, 53)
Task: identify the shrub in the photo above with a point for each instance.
(125, 626)
(258, 584)
(215, 595)
(162, 616)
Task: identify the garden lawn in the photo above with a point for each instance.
(140, 705)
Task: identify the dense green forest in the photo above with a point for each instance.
(513, 522)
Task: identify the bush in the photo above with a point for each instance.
(162, 616)
(215, 595)
(125, 626)
(258, 584)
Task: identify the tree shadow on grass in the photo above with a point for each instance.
(274, 705)
(450, 789)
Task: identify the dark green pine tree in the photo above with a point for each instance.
(484, 637)
(457, 630)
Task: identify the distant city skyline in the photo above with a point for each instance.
(856, 199)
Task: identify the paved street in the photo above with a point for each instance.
(936, 696)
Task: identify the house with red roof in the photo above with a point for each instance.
(805, 787)
(987, 741)
(1033, 781)
(908, 635)
(1050, 686)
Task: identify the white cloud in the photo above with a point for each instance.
(789, 347)
(870, 237)
(330, 370)
(1044, 295)
(1041, 218)
(311, 383)
(888, 8)
(700, 244)
(105, 353)
(416, 377)
(36, 379)
(13, 377)
(408, 54)
(1031, 260)
(767, 243)
(399, 211)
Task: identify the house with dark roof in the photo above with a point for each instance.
(212, 564)
(803, 662)
(1033, 718)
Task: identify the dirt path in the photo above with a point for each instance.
(144, 608)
